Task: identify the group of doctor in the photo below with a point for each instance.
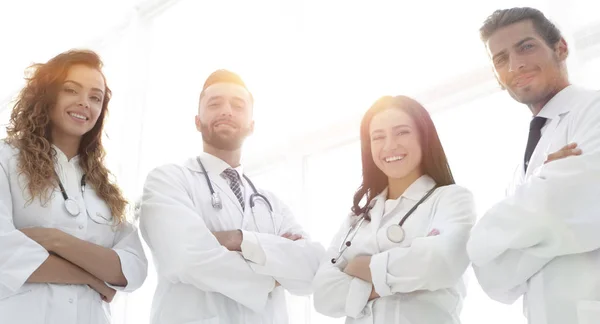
(225, 251)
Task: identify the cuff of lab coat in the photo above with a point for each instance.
(128, 267)
(251, 249)
(358, 297)
(25, 260)
(379, 272)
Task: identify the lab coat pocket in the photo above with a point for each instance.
(17, 308)
(588, 312)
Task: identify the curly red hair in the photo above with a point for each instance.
(29, 131)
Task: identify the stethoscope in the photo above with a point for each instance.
(395, 233)
(71, 205)
(218, 204)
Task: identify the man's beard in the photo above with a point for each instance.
(229, 143)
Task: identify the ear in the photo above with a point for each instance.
(561, 48)
(251, 128)
(198, 123)
(498, 80)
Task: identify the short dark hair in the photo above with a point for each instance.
(505, 17)
(224, 76)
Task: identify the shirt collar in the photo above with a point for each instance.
(416, 190)
(561, 103)
(215, 165)
(62, 157)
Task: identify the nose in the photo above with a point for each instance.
(83, 102)
(226, 109)
(389, 144)
(515, 64)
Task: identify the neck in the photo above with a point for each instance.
(230, 157)
(538, 106)
(69, 145)
(397, 186)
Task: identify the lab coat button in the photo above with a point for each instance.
(80, 226)
(71, 300)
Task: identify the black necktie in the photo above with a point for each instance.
(535, 132)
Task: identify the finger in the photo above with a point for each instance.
(434, 232)
(563, 154)
(286, 235)
(295, 237)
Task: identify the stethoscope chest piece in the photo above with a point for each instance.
(72, 207)
(216, 201)
(395, 233)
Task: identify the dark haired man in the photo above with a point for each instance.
(542, 241)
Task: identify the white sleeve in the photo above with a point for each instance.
(554, 213)
(186, 251)
(134, 264)
(337, 294)
(292, 263)
(434, 262)
(20, 256)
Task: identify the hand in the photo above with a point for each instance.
(46, 237)
(359, 267)
(374, 294)
(107, 293)
(232, 240)
(566, 151)
(434, 232)
(293, 237)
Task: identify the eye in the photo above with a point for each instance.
(403, 132)
(500, 61)
(527, 47)
(377, 138)
(70, 90)
(96, 99)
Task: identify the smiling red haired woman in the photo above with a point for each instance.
(63, 229)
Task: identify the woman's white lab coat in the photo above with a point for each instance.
(543, 240)
(420, 279)
(36, 303)
(200, 281)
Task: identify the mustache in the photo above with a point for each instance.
(224, 121)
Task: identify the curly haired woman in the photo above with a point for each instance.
(66, 245)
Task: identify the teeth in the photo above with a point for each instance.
(394, 158)
(78, 116)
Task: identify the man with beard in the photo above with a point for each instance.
(541, 242)
(224, 250)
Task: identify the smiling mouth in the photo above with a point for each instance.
(78, 116)
(394, 158)
(522, 81)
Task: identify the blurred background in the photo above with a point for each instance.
(313, 67)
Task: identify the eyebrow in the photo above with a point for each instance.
(81, 86)
(519, 43)
(397, 127)
(211, 99)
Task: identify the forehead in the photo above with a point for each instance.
(389, 118)
(86, 76)
(506, 37)
(226, 90)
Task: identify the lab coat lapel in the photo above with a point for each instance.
(219, 183)
(541, 150)
(376, 212)
(222, 186)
